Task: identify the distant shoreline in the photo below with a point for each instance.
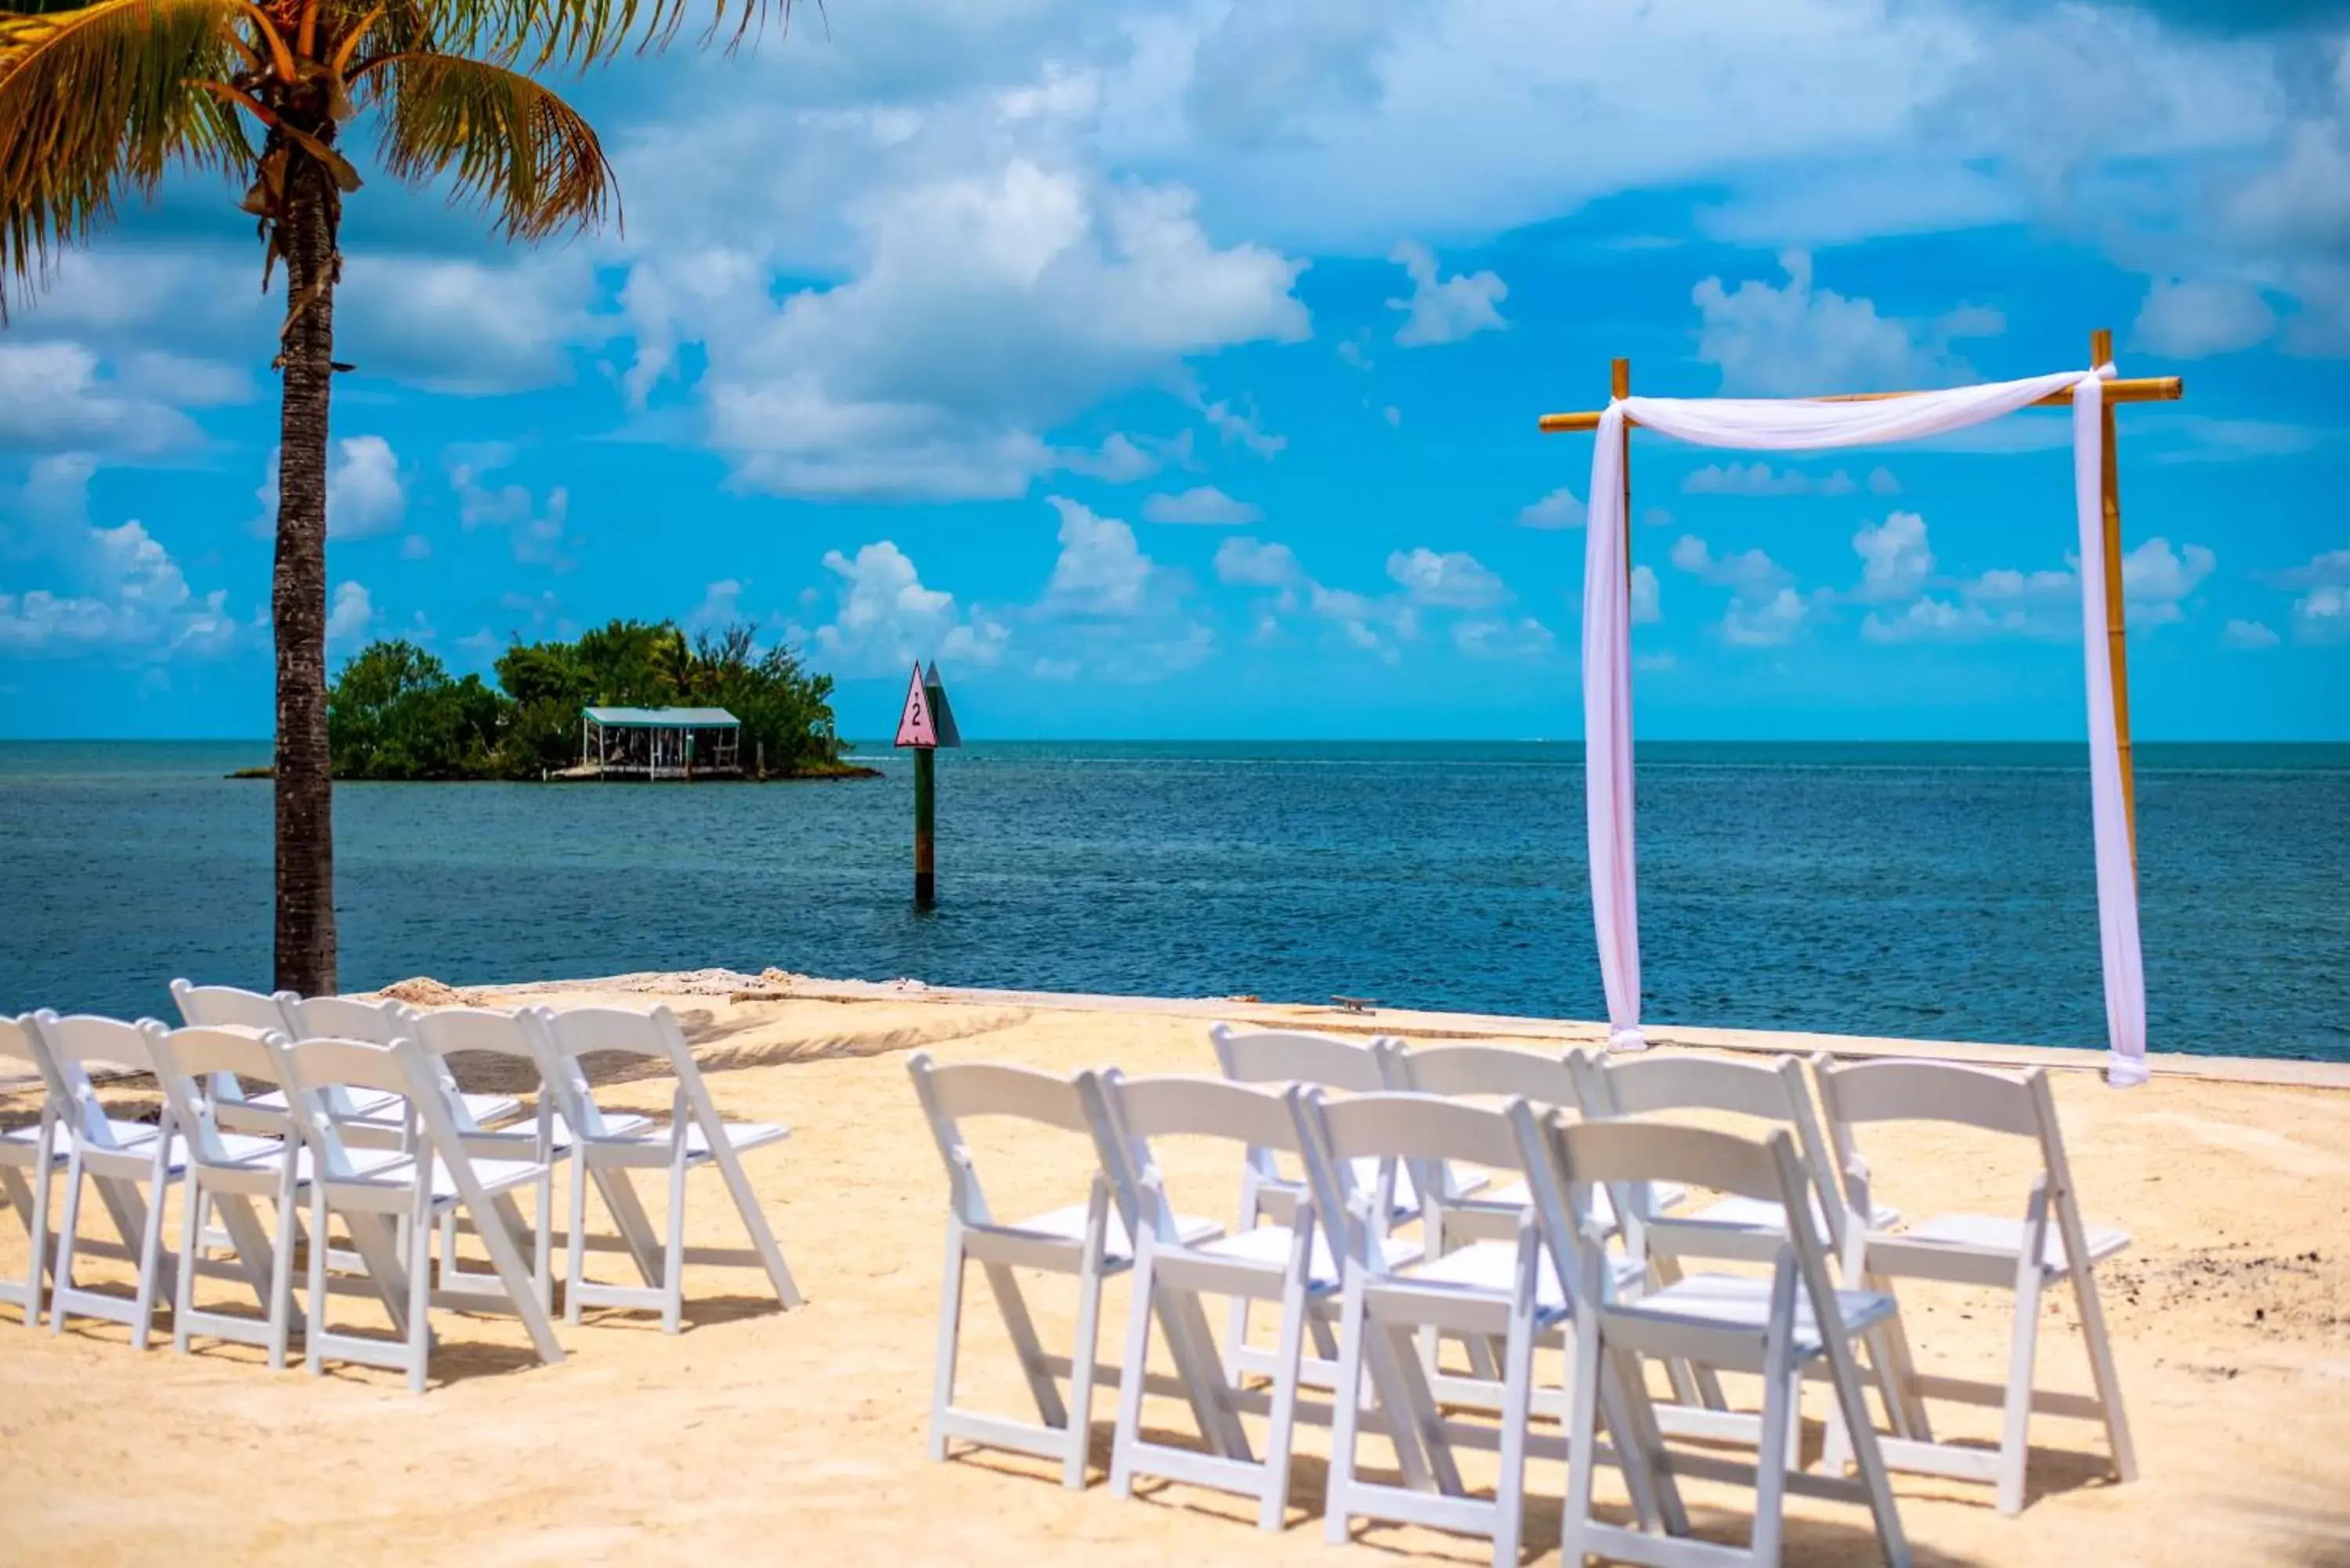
(809, 775)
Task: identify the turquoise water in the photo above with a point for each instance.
(1941, 891)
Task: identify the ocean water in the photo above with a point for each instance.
(1933, 892)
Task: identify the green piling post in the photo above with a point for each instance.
(926, 803)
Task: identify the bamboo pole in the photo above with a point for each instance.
(2101, 352)
(2143, 389)
(1620, 385)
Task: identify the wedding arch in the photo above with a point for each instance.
(1862, 419)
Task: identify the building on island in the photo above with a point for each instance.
(659, 743)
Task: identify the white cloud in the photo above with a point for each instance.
(2190, 319)
(1765, 622)
(1482, 639)
(1244, 428)
(1101, 570)
(1559, 509)
(1444, 309)
(2249, 634)
(1254, 562)
(1451, 579)
(721, 605)
(1204, 505)
(349, 613)
(2203, 438)
(1393, 415)
(2321, 614)
(538, 533)
(2155, 579)
(134, 604)
(416, 548)
(885, 618)
(996, 284)
(1647, 598)
(1752, 573)
(1793, 341)
(364, 493)
(53, 397)
(1757, 479)
(1895, 560)
(461, 326)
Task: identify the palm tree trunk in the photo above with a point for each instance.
(305, 787)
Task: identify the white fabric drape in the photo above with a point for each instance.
(1794, 425)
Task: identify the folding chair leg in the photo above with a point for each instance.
(1273, 1505)
(1517, 1400)
(1640, 1444)
(1081, 1375)
(1346, 1413)
(575, 1239)
(2015, 1431)
(674, 1256)
(312, 1361)
(754, 1221)
(192, 1229)
(1132, 1375)
(281, 1280)
(2101, 1368)
(950, 1338)
(1013, 1310)
(31, 1202)
(419, 1299)
(1581, 1435)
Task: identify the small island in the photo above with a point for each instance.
(394, 711)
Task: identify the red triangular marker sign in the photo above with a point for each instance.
(915, 727)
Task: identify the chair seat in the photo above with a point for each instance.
(1743, 1301)
(1268, 1246)
(1760, 1214)
(1492, 1266)
(617, 1125)
(22, 1146)
(486, 1110)
(1069, 1225)
(643, 1134)
(1993, 1233)
(1663, 1194)
(367, 1104)
(391, 1168)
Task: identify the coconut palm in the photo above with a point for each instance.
(101, 99)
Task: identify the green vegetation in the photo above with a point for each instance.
(395, 712)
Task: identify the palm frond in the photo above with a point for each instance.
(569, 32)
(502, 139)
(96, 99)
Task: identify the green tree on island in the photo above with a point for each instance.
(396, 713)
(102, 99)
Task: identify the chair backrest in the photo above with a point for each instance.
(63, 1049)
(218, 1006)
(1502, 1072)
(1294, 1056)
(1419, 1130)
(16, 1040)
(352, 1018)
(448, 1030)
(1127, 1112)
(953, 1091)
(2018, 1104)
(312, 1071)
(1773, 1092)
(184, 1058)
(567, 1035)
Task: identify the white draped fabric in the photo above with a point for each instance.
(1794, 425)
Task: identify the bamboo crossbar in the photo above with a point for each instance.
(2133, 389)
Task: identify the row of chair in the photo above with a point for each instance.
(1549, 1204)
(347, 1108)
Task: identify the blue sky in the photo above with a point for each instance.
(1171, 369)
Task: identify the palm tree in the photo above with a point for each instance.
(103, 98)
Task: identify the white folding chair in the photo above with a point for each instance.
(225, 1171)
(1268, 1194)
(1489, 1290)
(545, 1137)
(1732, 1227)
(118, 1156)
(606, 1149)
(1771, 1327)
(1293, 1266)
(1090, 1242)
(2049, 1243)
(30, 1157)
(230, 1007)
(379, 1023)
(371, 1188)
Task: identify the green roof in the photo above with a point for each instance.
(664, 718)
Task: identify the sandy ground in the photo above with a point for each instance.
(759, 1434)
